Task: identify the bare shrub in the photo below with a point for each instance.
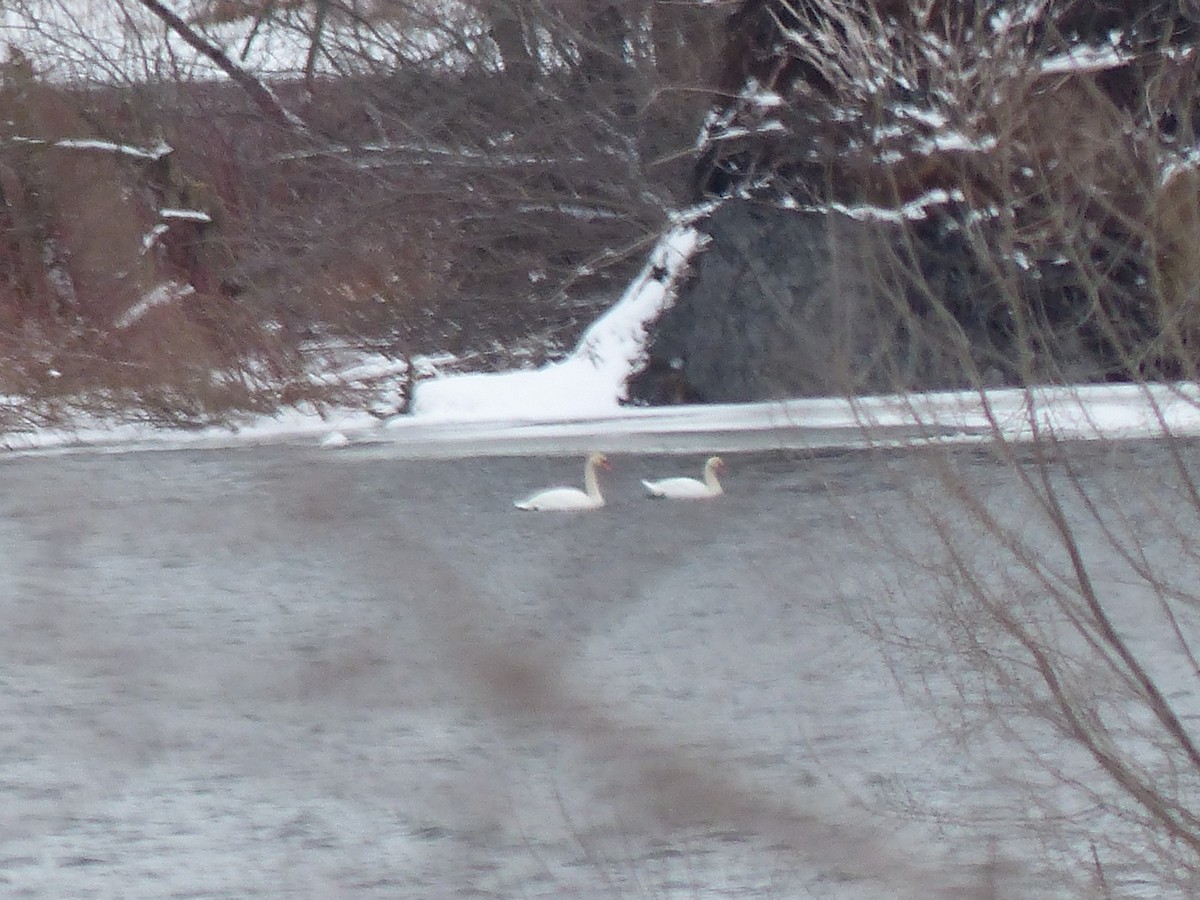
(1065, 615)
(1031, 173)
(416, 179)
(1027, 158)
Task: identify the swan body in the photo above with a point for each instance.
(690, 488)
(569, 498)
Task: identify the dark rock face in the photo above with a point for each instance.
(981, 253)
(783, 303)
(779, 304)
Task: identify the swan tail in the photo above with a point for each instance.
(653, 489)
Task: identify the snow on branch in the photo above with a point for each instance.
(259, 92)
(150, 238)
(914, 210)
(167, 292)
(1086, 59)
(185, 215)
(157, 151)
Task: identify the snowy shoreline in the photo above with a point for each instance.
(1086, 412)
(576, 405)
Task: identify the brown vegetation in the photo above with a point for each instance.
(402, 204)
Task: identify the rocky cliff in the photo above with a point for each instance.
(935, 195)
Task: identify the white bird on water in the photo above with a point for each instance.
(690, 488)
(570, 498)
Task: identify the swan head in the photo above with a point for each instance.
(715, 464)
(599, 461)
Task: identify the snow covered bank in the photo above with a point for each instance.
(588, 383)
(575, 405)
(1089, 412)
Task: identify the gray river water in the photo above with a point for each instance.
(288, 672)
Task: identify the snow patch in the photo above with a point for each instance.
(186, 215)
(915, 209)
(167, 292)
(591, 381)
(156, 151)
(150, 238)
(1085, 59)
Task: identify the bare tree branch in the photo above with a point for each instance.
(262, 95)
(314, 46)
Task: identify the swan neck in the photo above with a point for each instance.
(590, 482)
(710, 479)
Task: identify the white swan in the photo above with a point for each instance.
(569, 498)
(690, 488)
